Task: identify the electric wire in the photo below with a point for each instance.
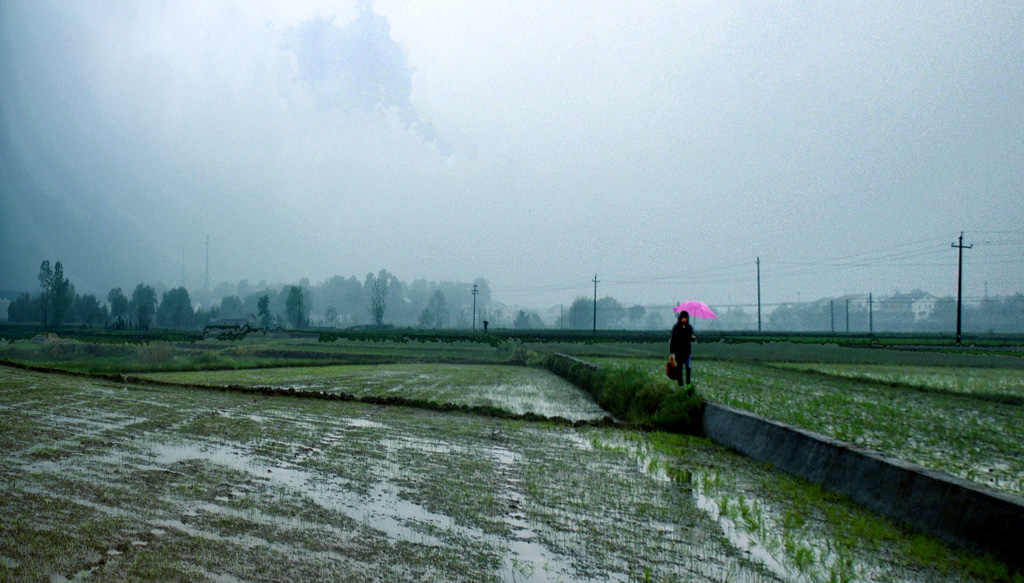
(1000, 248)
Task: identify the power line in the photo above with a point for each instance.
(922, 253)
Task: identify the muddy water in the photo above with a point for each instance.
(176, 484)
(380, 508)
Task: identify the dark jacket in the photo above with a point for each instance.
(679, 343)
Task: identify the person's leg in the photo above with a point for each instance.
(687, 370)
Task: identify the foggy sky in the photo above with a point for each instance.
(662, 146)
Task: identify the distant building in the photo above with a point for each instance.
(916, 305)
(923, 307)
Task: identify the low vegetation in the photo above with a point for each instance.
(634, 394)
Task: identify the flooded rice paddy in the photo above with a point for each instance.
(963, 421)
(1003, 385)
(516, 389)
(109, 482)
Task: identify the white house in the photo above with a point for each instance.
(923, 306)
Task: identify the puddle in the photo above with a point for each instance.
(364, 424)
(382, 509)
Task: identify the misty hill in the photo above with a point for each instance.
(44, 215)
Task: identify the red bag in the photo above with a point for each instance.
(672, 369)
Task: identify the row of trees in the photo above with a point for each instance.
(141, 310)
(381, 299)
(610, 315)
(57, 302)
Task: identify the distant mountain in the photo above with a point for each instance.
(97, 249)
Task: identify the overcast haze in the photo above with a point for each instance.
(662, 146)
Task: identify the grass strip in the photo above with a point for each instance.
(632, 394)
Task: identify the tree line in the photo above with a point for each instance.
(610, 314)
(380, 299)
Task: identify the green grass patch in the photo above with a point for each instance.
(977, 439)
(634, 394)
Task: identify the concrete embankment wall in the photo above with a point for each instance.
(944, 506)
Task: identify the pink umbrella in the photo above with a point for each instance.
(695, 309)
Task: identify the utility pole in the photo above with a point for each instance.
(871, 314)
(847, 315)
(206, 283)
(832, 314)
(595, 303)
(474, 292)
(758, 294)
(959, 282)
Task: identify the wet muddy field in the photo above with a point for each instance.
(106, 481)
(516, 389)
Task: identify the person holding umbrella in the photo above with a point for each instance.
(679, 344)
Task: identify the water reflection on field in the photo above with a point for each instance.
(167, 483)
(516, 389)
